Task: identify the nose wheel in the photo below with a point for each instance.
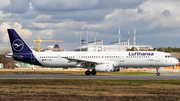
(158, 74)
(157, 70)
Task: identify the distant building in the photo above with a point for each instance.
(114, 46)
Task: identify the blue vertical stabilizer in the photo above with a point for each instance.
(21, 51)
(17, 43)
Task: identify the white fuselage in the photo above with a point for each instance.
(118, 59)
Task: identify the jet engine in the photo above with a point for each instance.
(104, 68)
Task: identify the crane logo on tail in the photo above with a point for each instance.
(18, 45)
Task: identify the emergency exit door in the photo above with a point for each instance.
(121, 57)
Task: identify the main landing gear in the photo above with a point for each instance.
(93, 72)
(157, 71)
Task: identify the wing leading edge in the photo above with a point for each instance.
(89, 62)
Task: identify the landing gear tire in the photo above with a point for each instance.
(158, 74)
(87, 72)
(93, 72)
(157, 70)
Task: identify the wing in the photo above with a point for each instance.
(81, 62)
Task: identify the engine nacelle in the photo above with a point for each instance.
(104, 68)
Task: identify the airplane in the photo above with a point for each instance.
(96, 61)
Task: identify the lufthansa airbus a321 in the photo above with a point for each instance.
(96, 61)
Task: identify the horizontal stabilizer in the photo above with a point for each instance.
(12, 56)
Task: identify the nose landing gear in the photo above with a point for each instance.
(157, 71)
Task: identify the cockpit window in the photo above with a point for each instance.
(168, 56)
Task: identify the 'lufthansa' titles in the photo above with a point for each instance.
(140, 54)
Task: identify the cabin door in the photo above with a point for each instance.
(157, 57)
(78, 56)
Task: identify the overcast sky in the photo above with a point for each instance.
(157, 22)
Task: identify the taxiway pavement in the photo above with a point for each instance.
(165, 74)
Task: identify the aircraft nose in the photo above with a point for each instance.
(175, 61)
